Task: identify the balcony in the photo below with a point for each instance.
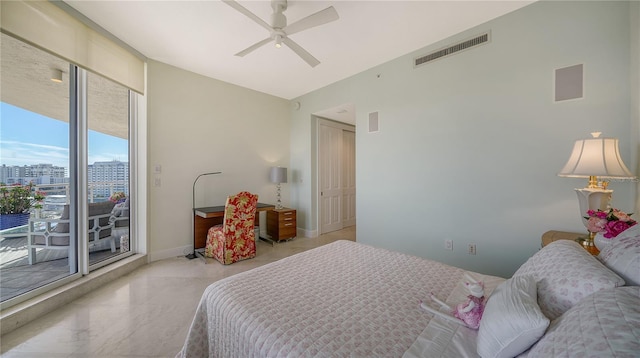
(19, 276)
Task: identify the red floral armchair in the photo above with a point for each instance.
(234, 239)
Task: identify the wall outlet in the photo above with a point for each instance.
(448, 244)
(472, 249)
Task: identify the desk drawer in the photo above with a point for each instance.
(281, 224)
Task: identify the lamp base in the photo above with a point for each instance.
(592, 199)
(196, 254)
(278, 203)
(587, 243)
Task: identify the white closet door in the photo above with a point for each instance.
(330, 170)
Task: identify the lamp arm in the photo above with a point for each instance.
(193, 209)
(193, 192)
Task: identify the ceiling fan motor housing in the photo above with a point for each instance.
(278, 20)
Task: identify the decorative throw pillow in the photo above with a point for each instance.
(605, 324)
(512, 321)
(623, 257)
(565, 273)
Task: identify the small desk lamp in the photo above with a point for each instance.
(278, 175)
(592, 158)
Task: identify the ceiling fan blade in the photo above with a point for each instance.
(254, 47)
(247, 13)
(319, 18)
(306, 56)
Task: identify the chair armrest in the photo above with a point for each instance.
(35, 220)
(121, 221)
(38, 225)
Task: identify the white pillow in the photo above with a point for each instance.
(565, 273)
(512, 321)
(605, 324)
(623, 257)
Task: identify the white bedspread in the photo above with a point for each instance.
(339, 300)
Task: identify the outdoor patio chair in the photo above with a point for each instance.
(53, 234)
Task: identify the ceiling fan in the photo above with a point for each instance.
(280, 31)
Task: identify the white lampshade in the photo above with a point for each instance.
(596, 157)
(278, 175)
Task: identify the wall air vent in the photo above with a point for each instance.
(448, 51)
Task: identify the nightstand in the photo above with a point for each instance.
(281, 224)
(551, 236)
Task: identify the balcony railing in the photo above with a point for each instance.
(57, 196)
(97, 191)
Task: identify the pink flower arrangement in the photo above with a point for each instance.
(611, 222)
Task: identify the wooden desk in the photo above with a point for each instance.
(204, 218)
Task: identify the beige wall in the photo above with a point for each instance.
(197, 125)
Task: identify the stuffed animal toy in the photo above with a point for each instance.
(467, 313)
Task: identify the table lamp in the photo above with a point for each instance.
(278, 175)
(595, 158)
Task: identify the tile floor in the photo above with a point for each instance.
(144, 314)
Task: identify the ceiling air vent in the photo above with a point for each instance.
(478, 40)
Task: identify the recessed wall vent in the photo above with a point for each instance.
(448, 51)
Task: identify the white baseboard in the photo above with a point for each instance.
(184, 250)
(170, 253)
(307, 233)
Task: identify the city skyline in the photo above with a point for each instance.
(28, 138)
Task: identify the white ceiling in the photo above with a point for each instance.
(203, 36)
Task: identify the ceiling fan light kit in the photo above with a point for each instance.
(280, 31)
(278, 39)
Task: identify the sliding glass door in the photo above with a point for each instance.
(107, 169)
(34, 158)
(62, 128)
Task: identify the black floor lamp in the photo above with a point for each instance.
(193, 255)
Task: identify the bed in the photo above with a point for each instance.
(347, 299)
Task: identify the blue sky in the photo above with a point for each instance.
(29, 138)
